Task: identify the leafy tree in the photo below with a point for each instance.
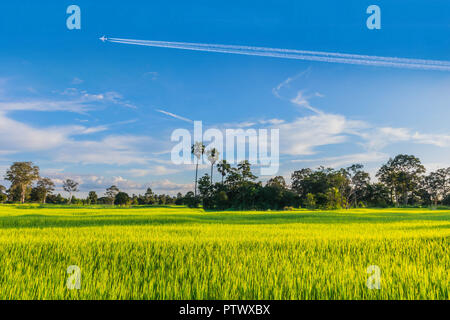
(111, 193)
(317, 182)
(179, 199)
(70, 186)
(340, 181)
(277, 182)
(437, 184)
(92, 197)
(246, 173)
(206, 192)
(191, 200)
(310, 201)
(355, 185)
(162, 199)
(3, 196)
(55, 199)
(45, 186)
(197, 149)
(149, 196)
(402, 175)
(122, 199)
(223, 167)
(21, 175)
(378, 195)
(334, 199)
(446, 200)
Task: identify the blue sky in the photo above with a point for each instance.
(88, 110)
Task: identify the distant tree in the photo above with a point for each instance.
(21, 175)
(122, 199)
(437, 184)
(149, 196)
(334, 199)
(278, 182)
(446, 200)
(223, 167)
(352, 183)
(111, 193)
(45, 186)
(3, 196)
(92, 197)
(179, 199)
(300, 183)
(134, 200)
(310, 201)
(197, 149)
(317, 182)
(244, 168)
(204, 186)
(213, 156)
(402, 175)
(191, 200)
(378, 195)
(359, 183)
(56, 199)
(70, 186)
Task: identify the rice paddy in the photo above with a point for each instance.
(181, 253)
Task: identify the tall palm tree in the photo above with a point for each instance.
(197, 149)
(213, 156)
(223, 167)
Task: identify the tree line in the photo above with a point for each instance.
(401, 181)
(28, 186)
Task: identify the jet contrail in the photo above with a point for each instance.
(332, 57)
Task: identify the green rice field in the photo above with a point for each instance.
(180, 253)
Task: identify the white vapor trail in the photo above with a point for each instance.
(333, 57)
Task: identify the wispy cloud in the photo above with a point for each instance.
(347, 159)
(77, 81)
(69, 100)
(173, 115)
(302, 100)
(153, 75)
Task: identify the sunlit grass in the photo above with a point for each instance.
(181, 253)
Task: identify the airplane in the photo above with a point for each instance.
(103, 38)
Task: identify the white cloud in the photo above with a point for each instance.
(112, 150)
(169, 187)
(301, 136)
(379, 138)
(156, 170)
(16, 136)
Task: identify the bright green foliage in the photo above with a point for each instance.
(181, 253)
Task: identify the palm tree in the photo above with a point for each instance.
(197, 149)
(213, 156)
(223, 167)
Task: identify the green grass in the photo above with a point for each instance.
(180, 253)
